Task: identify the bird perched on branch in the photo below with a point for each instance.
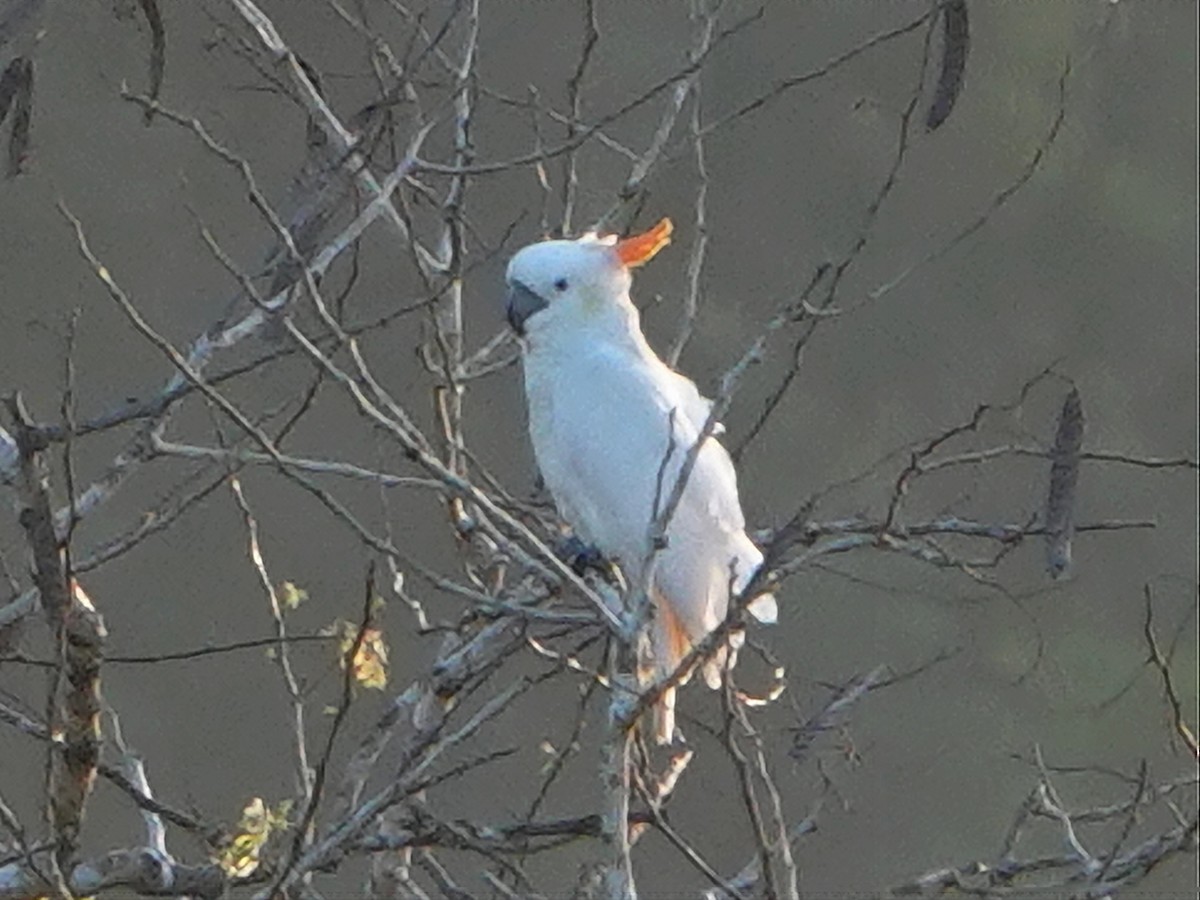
(612, 427)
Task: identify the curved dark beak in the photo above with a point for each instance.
(521, 304)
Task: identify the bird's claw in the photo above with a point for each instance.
(582, 556)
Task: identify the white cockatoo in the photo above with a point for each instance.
(604, 414)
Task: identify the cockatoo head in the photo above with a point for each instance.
(575, 280)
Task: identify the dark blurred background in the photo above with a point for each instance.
(1090, 267)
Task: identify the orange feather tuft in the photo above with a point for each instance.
(641, 248)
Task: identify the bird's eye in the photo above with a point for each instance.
(561, 284)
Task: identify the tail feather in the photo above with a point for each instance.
(664, 717)
(677, 630)
(671, 646)
(723, 660)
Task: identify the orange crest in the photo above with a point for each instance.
(641, 248)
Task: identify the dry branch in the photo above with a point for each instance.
(79, 635)
(141, 872)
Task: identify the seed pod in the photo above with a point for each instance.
(956, 42)
(1064, 476)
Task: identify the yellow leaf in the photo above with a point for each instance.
(241, 856)
(370, 662)
(292, 596)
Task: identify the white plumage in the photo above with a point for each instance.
(603, 411)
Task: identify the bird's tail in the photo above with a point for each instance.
(671, 646)
(674, 638)
(664, 717)
(723, 660)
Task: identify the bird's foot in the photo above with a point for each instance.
(581, 557)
